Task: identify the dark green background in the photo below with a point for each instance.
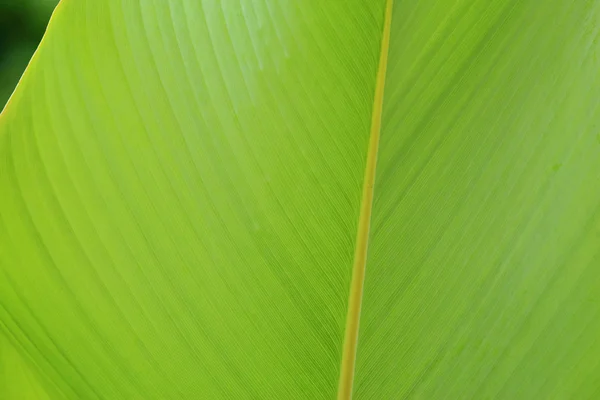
(22, 24)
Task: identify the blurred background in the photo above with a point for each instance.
(22, 24)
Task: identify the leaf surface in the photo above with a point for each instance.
(180, 188)
(483, 276)
(182, 185)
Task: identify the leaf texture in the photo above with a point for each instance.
(181, 187)
(483, 279)
(20, 378)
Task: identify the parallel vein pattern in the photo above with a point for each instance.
(484, 268)
(180, 187)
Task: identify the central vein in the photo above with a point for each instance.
(364, 222)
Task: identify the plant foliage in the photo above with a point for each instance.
(181, 183)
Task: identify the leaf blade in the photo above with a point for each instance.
(183, 180)
(485, 215)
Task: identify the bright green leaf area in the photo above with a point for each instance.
(180, 186)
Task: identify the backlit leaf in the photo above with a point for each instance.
(182, 183)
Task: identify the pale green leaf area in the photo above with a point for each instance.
(181, 183)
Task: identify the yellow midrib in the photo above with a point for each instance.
(364, 222)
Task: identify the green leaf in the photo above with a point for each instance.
(182, 183)
(19, 379)
(483, 279)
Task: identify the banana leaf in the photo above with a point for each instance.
(276, 199)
